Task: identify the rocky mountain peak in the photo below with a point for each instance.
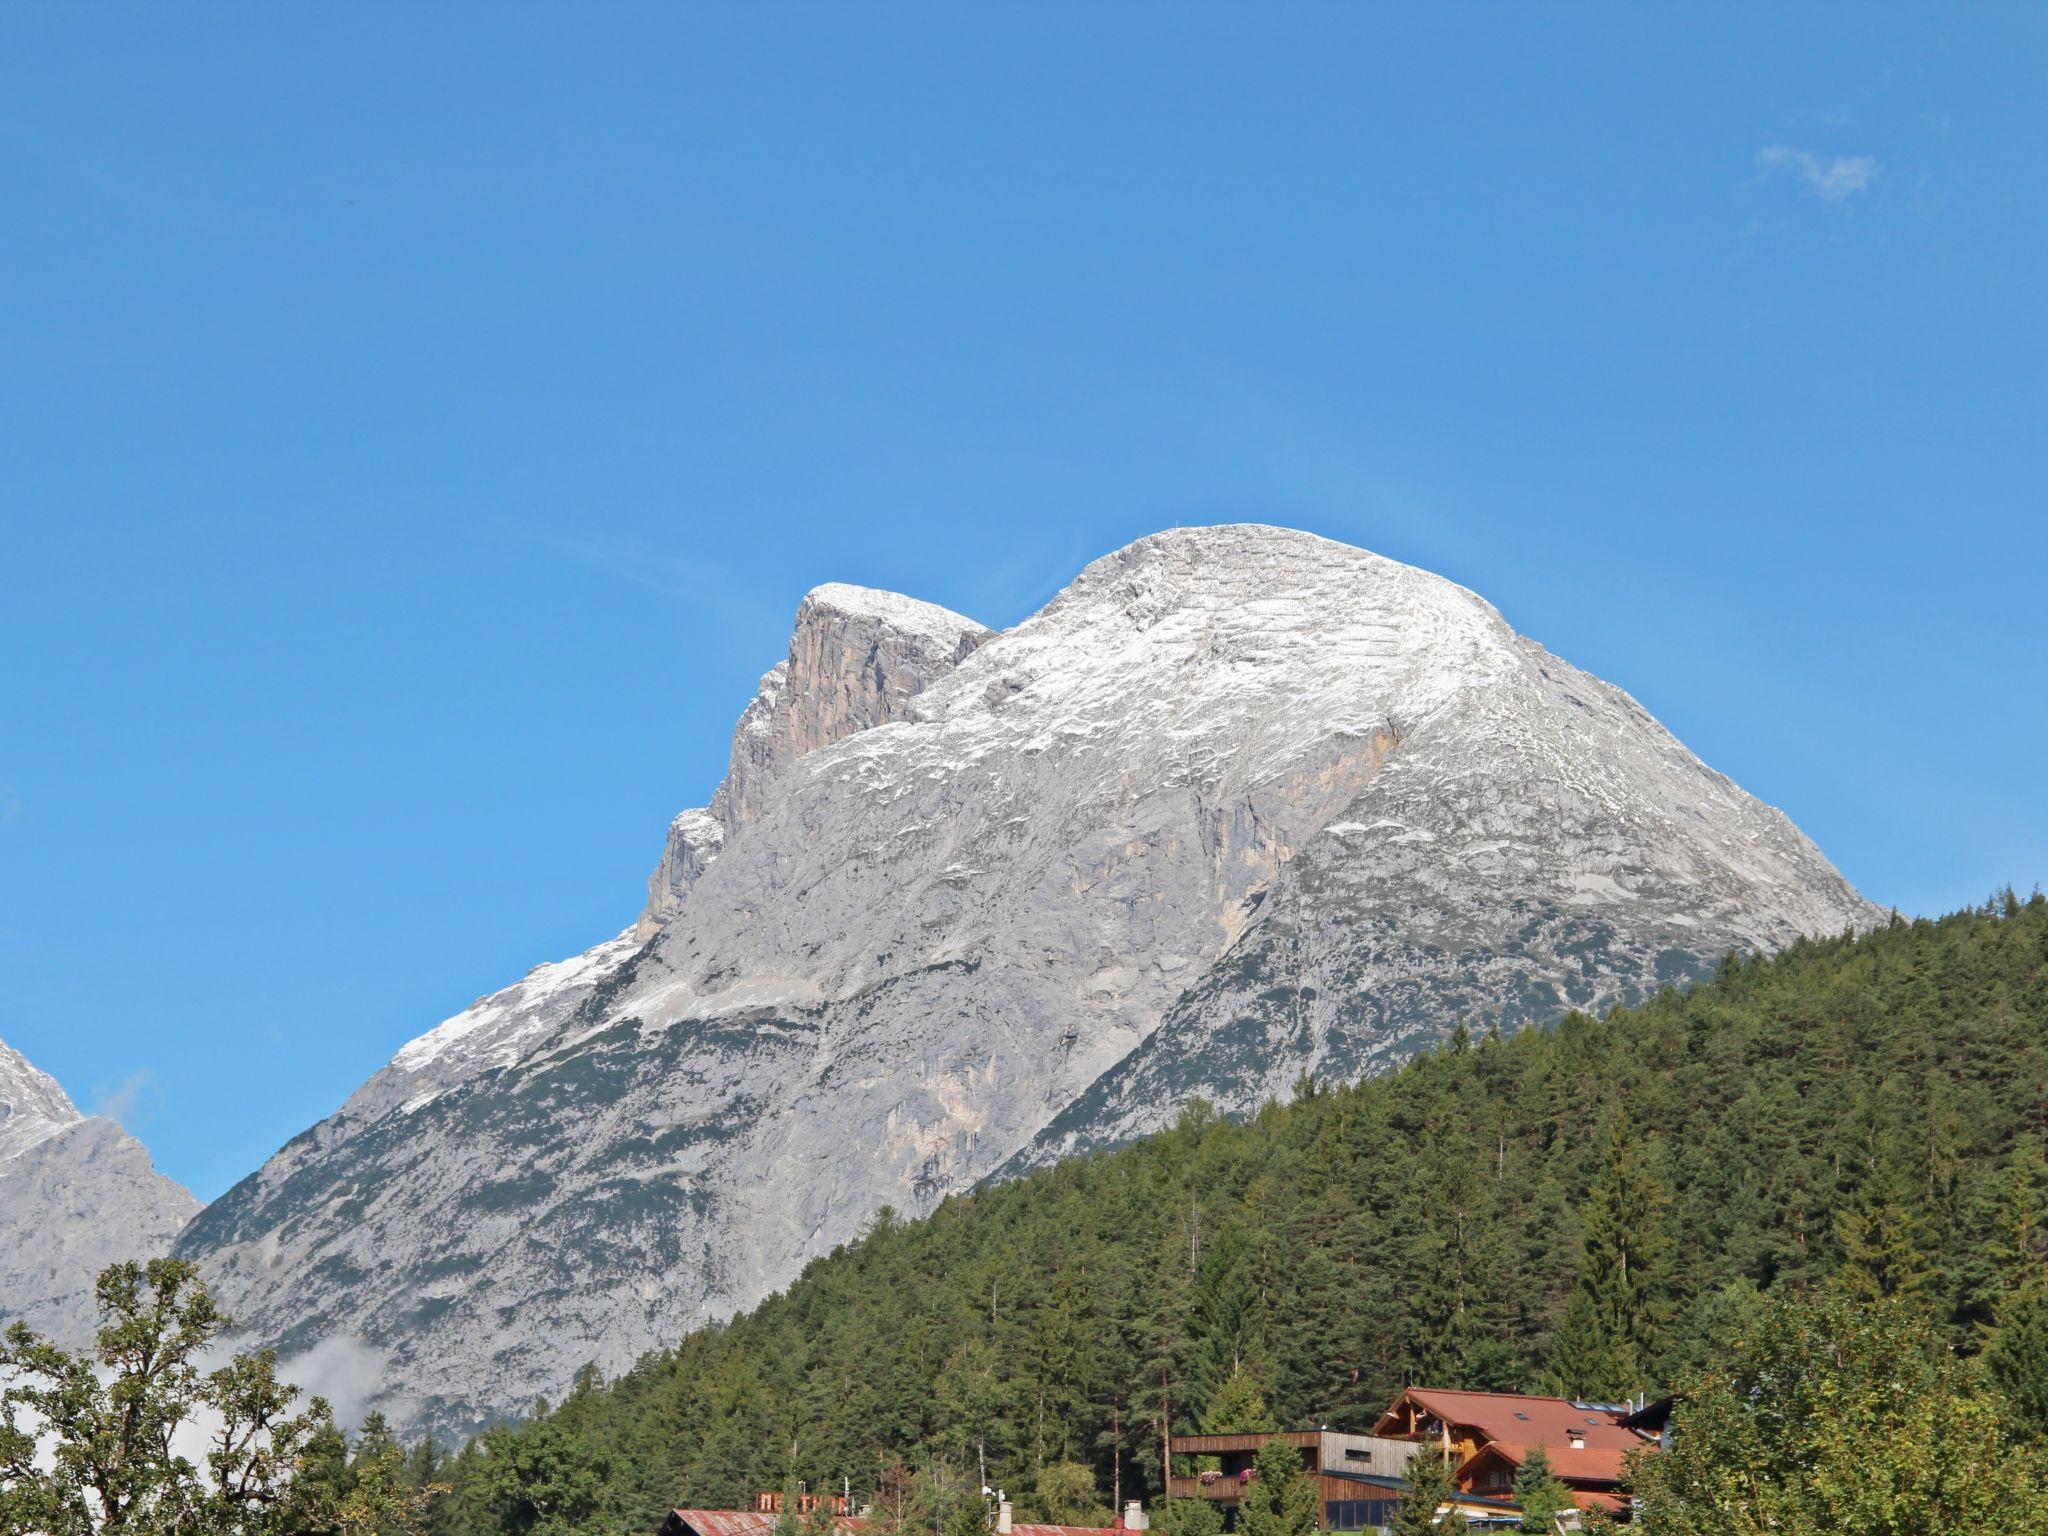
(76, 1193)
(857, 658)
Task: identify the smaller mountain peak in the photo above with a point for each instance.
(905, 615)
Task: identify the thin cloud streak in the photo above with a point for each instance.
(1832, 179)
(120, 1101)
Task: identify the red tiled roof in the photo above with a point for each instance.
(750, 1522)
(1570, 1466)
(1515, 1420)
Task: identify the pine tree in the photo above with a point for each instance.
(1426, 1485)
(1580, 1356)
(1612, 1332)
(1540, 1493)
(1237, 1408)
(1280, 1500)
(1228, 1313)
(1882, 1229)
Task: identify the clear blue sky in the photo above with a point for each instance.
(418, 423)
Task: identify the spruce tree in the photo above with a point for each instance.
(1612, 1331)
(1238, 1408)
(1882, 1230)
(1280, 1501)
(1425, 1486)
(1539, 1492)
(1228, 1313)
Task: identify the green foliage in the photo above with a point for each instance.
(1238, 1408)
(89, 1443)
(1425, 1485)
(1280, 1500)
(2018, 1359)
(1840, 1416)
(936, 1501)
(545, 1482)
(1065, 1494)
(1882, 1227)
(1188, 1517)
(1540, 1494)
(1483, 1216)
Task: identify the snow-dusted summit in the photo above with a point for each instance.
(1238, 802)
(77, 1193)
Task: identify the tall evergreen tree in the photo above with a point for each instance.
(1612, 1332)
(1426, 1484)
(1882, 1229)
(1238, 1408)
(1281, 1501)
(1540, 1493)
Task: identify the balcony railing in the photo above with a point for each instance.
(1223, 1486)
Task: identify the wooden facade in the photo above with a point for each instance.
(1357, 1477)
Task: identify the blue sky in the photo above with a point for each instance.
(421, 422)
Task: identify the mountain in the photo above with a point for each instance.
(1238, 803)
(77, 1193)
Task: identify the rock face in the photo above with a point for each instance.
(857, 659)
(76, 1194)
(1238, 803)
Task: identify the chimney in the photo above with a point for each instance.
(1134, 1516)
(1004, 1519)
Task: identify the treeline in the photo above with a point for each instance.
(1594, 1208)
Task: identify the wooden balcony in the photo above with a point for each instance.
(1224, 1488)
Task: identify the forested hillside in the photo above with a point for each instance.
(1587, 1208)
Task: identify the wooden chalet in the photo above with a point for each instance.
(767, 1513)
(770, 1503)
(1489, 1436)
(1358, 1477)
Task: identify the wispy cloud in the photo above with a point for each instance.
(1831, 178)
(10, 803)
(681, 577)
(120, 1101)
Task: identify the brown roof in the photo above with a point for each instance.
(749, 1522)
(1570, 1466)
(1524, 1421)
